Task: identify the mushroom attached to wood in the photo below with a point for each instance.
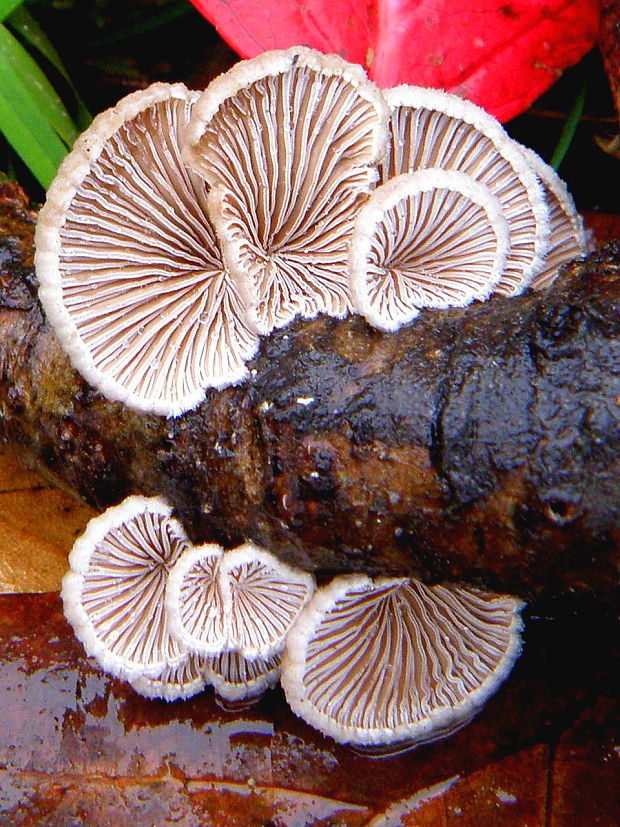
(433, 129)
(129, 268)
(429, 239)
(288, 142)
(395, 661)
(183, 226)
(114, 593)
(567, 236)
(171, 618)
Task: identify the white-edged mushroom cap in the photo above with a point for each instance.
(266, 597)
(429, 239)
(113, 594)
(394, 660)
(288, 141)
(236, 678)
(197, 605)
(431, 128)
(175, 682)
(130, 272)
(567, 237)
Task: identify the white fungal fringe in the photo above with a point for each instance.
(184, 225)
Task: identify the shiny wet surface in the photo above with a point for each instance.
(79, 748)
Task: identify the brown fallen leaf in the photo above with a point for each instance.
(79, 748)
(38, 526)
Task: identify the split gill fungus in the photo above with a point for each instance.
(184, 228)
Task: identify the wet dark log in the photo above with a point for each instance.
(479, 445)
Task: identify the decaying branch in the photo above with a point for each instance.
(478, 444)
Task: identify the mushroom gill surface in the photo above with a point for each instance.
(184, 225)
(429, 239)
(113, 594)
(370, 663)
(288, 141)
(236, 678)
(431, 128)
(130, 271)
(567, 235)
(266, 598)
(374, 663)
(171, 618)
(182, 681)
(196, 604)
(244, 600)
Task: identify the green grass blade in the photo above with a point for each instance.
(24, 24)
(28, 145)
(7, 6)
(570, 127)
(35, 85)
(25, 127)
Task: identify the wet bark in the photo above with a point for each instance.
(479, 445)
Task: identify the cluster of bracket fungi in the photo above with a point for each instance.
(182, 227)
(367, 662)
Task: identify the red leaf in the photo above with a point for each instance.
(501, 54)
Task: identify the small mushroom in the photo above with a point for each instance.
(244, 600)
(567, 238)
(288, 142)
(198, 607)
(236, 678)
(374, 663)
(130, 272)
(113, 594)
(430, 128)
(430, 239)
(266, 598)
(178, 682)
(235, 609)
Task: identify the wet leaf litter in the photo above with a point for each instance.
(505, 795)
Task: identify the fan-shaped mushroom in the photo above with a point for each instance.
(244, 600)
(183, 226)
(567, 237)
(430, 239)
(430, 128)
(235, 608)
(198, 607)
(394, 660)
(288, 141)
(171, 618)
(114, 592)
(130, 273)
(266, 598)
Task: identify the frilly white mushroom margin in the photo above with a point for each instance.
(532, 209)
